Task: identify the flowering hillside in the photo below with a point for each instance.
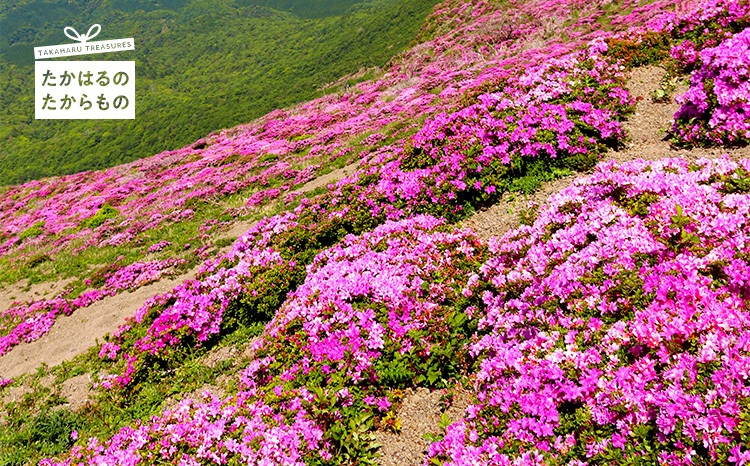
(609, 329)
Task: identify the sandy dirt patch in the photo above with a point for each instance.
(74, 334)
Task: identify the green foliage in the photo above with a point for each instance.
(224, 242)
(305, 8)
(416, 158)
(637, 205)
(647, 49)
(666, 88)
(528, 216)
(100, 276)
(736, 185)
(37, 259)
(202, 66)
(47, 434)
(352, 442)
(261, 298)
(686, 237)
(105, 212)
(33, 231)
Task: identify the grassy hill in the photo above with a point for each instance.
(201, 66)
(611, 326)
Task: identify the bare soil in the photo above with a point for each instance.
(22, 292)
(74, 334)
(420, 414)
(328, 178)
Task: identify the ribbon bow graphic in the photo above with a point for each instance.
(83, 37)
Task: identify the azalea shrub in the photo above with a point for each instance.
(562, 114)
(649, 48)
(375, 312)
(716, 108)
(614, 329)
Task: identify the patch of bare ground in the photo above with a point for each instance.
(14, 394)
(77, 392)
(236, 230)
(22, 291)
(328, 178)
(420, 414)
(74, 334)
(505, 215)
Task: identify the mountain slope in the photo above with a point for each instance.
(201, 66)
(611, 326)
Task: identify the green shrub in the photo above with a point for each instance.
(33, 231)
(648, 49)
(104, 213)
(37, 259)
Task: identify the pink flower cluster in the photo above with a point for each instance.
(156, 247)
(211, 431)
(716, 108)
(615, 325)
(564, 107)
(195, 308)
(362, 298)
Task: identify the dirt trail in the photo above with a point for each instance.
(647, 129)
(74, 334)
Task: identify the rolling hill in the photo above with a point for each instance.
(339, 299)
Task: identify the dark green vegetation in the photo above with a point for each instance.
(200, 65)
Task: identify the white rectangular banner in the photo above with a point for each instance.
(84, 90)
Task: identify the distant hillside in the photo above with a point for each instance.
(201, 66)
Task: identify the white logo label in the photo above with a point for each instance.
(87, 90)
(96, 90)
(84, 47)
